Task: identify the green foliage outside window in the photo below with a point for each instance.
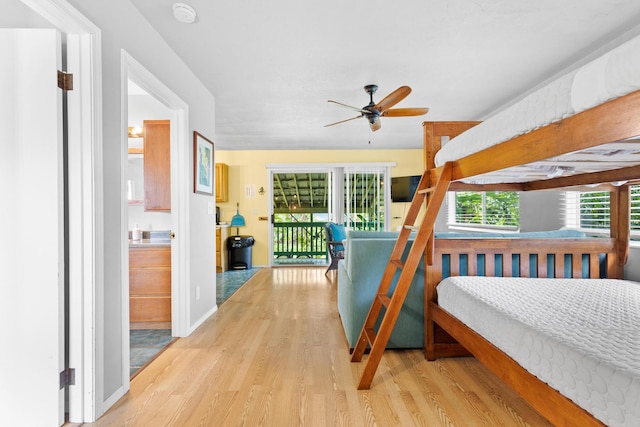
(594, 210)
(499, 208)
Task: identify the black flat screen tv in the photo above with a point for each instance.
(404, 187)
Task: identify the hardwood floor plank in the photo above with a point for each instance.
(275, 354)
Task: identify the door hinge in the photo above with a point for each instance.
(65, 80)
(67, 378)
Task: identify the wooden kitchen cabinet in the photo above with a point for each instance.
(157, 165)
(150, 284)
(222, 182)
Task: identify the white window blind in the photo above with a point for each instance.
(591, 210)
(635, 211)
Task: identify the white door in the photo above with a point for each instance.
(31, 215)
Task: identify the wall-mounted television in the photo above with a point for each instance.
(404, 187)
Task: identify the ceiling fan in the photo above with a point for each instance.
(374, 111)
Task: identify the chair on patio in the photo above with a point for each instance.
(335, 234)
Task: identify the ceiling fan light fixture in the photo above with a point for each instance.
(184, 13)
(373, 111)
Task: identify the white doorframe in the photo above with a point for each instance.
(85, 202)
(180, 275)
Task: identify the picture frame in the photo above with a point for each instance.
(202, 164)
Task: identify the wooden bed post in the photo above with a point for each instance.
(433, 133)
(620, 212)
(432, 140)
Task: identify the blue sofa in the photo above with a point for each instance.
(366, 256)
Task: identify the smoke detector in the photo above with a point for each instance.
(184, 13)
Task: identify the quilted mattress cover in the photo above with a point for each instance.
(614, 74)
(580, 336)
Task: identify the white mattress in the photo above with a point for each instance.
(580, 336)
(614, 74)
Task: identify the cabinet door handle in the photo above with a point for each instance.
(172, 235)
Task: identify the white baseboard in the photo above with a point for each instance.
(202, 320)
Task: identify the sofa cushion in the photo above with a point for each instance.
(338, 234)
(359, 276)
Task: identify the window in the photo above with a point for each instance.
(487, 208)
(590, 210)
(364, 198)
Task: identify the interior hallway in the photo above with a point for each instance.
(275, 355)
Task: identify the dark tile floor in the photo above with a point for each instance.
(145, 344)
(230, 281)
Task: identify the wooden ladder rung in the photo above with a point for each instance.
(427, 190)
(397, 262)
(370, 334)
(411, 227)
(384, 300)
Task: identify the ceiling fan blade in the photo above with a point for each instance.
(393, 98)
(342, 121)
(401, 112)
(376, 125)
(349, 106)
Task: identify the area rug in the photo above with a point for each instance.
(229, 282)
(146, 345)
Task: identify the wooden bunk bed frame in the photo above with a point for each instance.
(446, 336)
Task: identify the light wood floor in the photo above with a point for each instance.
(275, 355)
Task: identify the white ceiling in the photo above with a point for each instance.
(272, 65)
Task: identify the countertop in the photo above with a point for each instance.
(150, 243)
(152, 239)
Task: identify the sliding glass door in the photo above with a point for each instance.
(301, 205)
(305, 197)
(364, 199)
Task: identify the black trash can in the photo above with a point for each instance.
(239, 248)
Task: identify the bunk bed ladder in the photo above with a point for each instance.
(433, 195)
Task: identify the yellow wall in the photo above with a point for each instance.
(250, 168)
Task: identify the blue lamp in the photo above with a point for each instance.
(237, 220)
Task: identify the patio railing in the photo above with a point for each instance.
(299, 240)
(304, 239)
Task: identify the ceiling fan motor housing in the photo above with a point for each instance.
(373, 116)
(371, 89)
(373, 110)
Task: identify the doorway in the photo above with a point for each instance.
(149, 224)
(168, 227)
(301, 205)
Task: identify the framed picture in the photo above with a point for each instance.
(202, 164)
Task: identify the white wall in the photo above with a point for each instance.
(541, 210)
(122, 27)
(632, 268)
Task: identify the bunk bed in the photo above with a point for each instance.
(582, 129)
